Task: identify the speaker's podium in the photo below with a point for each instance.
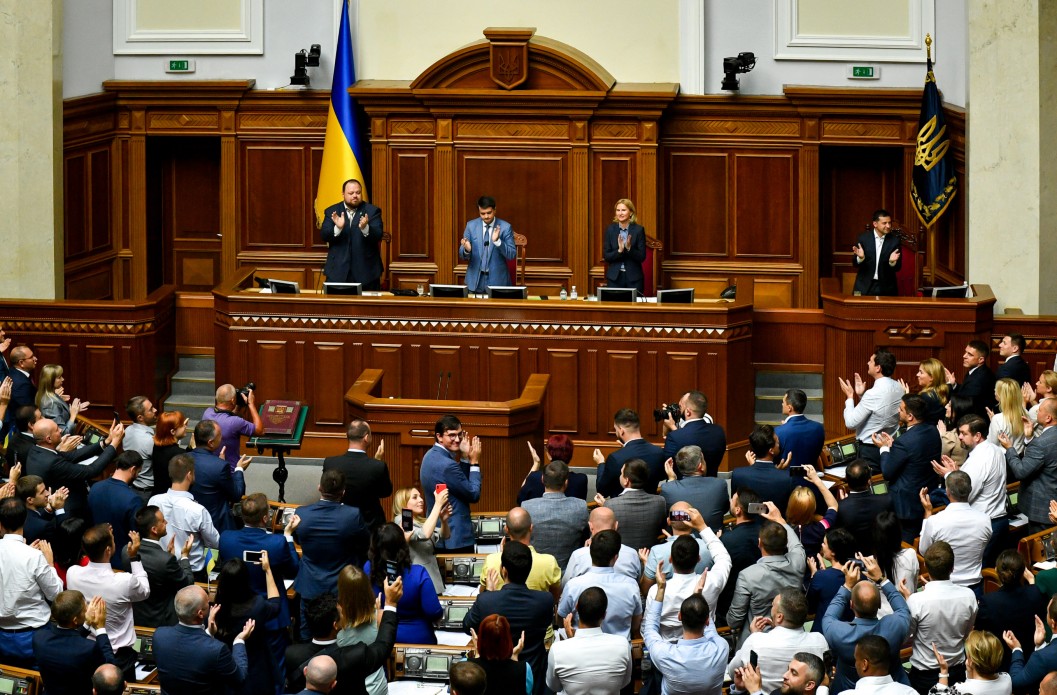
(406, 427)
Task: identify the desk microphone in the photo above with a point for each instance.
(440, 376)
(446, 385)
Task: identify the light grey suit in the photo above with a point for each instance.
(758, 584)
(1037, 473)
(558, 524)
(640, 516)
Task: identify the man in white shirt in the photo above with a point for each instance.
(119, 589)
(986, 467)
(28, 581)
(139, 437)
(777, 646)
(964, 528)
(185, 517)
(878, 408)
(873, 659)
(941, 616)
(590, 662)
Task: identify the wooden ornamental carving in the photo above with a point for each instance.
(509, 55)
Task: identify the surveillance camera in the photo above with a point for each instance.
(744, 62)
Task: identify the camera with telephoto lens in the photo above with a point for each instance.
(661, 414)
(242, 395)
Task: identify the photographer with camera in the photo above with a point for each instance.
(226, 413)
(689, 423)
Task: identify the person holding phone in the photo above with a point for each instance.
(236, 602)
(454, 461)
(422, 533)
(390, 558)
(800, 511)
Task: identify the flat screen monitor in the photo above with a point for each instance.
(617, 294)
(683, 295)
(342, 288)
(507, 292)
(955, 292)
(448, 290)
(284, 287)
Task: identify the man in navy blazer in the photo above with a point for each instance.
(331, 536)
(113, 502)
(1012, 349)
(878, 259)
(352, 231)
(454, 461)
(190, 660)
(487, 243)
(216, 486)
(43, 508)
(1028, 676)
(65, 656)
(979, 383)
(23, 392)
(858, 511)
(696, 427)
(763, 476)
(633, 446)
(63, 469)
(367, 479)
(907, 463)
(799, 436)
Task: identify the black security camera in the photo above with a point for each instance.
(744, 62)
(302, 61)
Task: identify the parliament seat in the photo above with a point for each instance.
(516, 265)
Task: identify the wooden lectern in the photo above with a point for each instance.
(406, 427)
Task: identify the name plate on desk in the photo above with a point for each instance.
(280, 417)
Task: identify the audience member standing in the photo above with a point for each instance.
(559, 522)
(907, 464)
(626, 425)
(139, 437)
(707, 495)
(964, 528)
(878, 407)
(184, 517)
(798, 435)
(696, 427)
(979, 383)
(112, 501)
(166, 573)
(1036, 468)
(641, 514)
(453, 461)
(367, 479)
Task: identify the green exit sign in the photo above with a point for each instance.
(181, 65)
(863, 72)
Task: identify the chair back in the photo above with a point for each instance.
(651, 275)
(516, 266)
(387, 254)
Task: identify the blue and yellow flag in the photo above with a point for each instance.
(341, 148)
(934, 184)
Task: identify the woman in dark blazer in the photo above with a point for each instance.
(1014, 606)
(624, 249)
(238, 603)
(170, 429)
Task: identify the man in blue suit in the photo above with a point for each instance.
(331, 535)
(454, 461)
(907, 463)
(771, 483)
(190, 660)
(282, 557)
(633, 446)
(487, 243)
(696, 427)
(113, 502)
(66, 657)
(798, 435)
(216, 486)
(1028, 676)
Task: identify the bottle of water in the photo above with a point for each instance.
(564, 295)
(572, 295)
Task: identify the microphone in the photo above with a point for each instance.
(446, 385)
(440, 376)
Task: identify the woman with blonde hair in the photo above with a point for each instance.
(933, 388)
(624, 248)
(358, 620)
(426, 532)
(1045, 387)
(56, 405)
(983, 658)
(800, 512)
(1010, 421)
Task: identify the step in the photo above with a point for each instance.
(773, 404)
(775, 419)
(199, 363)
(196, 383)
(192, 406)
(789, 380)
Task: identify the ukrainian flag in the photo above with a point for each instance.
(934, 184)
(342, 148)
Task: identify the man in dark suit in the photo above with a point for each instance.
(1036, 469)
(640, 514)
(528, 611)
(979, 382)
(633, 446)
(352, 231)
(696, 427)
(21, 439)
(797, 435)
(216, 486)
(624, 248)
(366, 479)
(113, 502)
(1028, 676)
(742, 542)
(320, 675)
(58, 469)
(860, 508)
(44, 508)
(707, 495)
(190, 660)
(167, 574)
(878, 259)
(66, 657)
(907, 463)
(771, 483)
(322, 614)
(23, 391)
(1012, 349)
(487, 244)
(331, 536)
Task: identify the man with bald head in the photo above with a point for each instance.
(189, 658)
(865, 598)
(63, 469)
(545, 574)
(628, 561)
(1049, 685)
(321, 675)
(232, 424)
(1036, 468)
(23, 392)
(108, 680)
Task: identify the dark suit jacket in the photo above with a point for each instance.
(41, 525)
(297, 656)
(857, 514)
(1012, 607)
(770, 483)
(803, 437)
(357, 661)
(331, 536)
(1037, 472)
(1028, 676)
(62, 469)
(281, 555)
(190, 662)
(216, 488)
(367, 480)
(980, 388)
(632, 258)
(67, 659)
(167, 575)
(526, 610)
(23, 392)
(351, 257)
(533, 486)
(640, 516)
(710, 437)
(18, 447)
(908, 468)
(886, 274)
(607, 479)
(1014, 368)
(113, 502)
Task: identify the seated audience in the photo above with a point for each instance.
(559, 521)
(590, 662)
(419, 607)
(426, 532)
(558, 447)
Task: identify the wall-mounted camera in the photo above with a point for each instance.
(732, 67)
(303, 60)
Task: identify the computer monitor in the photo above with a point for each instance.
(448, 290)
(284, 287)
(683, 295)
(617, 294)
(353, 288)
(507, 292)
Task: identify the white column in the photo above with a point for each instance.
(692, 46)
